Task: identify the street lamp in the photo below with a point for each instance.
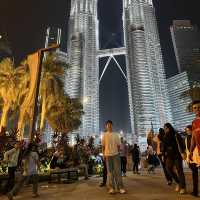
(0, 36)
(85, 99)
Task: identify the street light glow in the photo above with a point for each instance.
(85, 99)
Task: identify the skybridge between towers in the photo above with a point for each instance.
(111, 53)
(145, 74)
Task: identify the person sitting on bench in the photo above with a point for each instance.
(58, 160)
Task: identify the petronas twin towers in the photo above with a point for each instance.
(148, 98)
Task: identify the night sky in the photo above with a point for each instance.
(25, 22)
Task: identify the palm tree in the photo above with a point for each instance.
(65, 115)
(12, 82)
(52, 86)
(62, 113)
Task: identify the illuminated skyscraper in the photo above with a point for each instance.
(148, 98)
(82, 77)
(186, 42)
(177, 85)
(53, 36)
(147, 90)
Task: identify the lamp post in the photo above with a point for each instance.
(85, 99)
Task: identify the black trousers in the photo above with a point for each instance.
(123, 164)
(194, 169)
(104, 172)
(179, 177)
(11, 179)
(135, 165)
(167, 175)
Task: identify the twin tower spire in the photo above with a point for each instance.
(90, 6)
(129, 2)
(84, 6)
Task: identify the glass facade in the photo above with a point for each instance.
(82, 78)
(176, 86)
(148, 95)
(186, 42)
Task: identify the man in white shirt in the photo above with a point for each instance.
(110, 145)
(31, 167)
(11, 157)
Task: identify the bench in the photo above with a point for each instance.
(68, 173)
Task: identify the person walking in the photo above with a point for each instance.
(11, 157)
(30, 171)
(123, 152)
(135, 152)
(110, 147)
(174, 150)
(194, 155)
(161, 156)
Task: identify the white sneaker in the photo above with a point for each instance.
(122, 191)
(111, 191)
(177, 189)
(182, 191)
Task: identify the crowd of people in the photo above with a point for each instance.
(167, 148)
(172, 148)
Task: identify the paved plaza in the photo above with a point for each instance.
(139, 187)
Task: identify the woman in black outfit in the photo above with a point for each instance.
(160, 153)
(173, 149)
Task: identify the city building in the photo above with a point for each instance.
(148, 95)
(186, 42)
(176, 86)
(53, 36)
(147, 89)
(83, 75)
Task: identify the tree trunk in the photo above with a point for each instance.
(20, 124)
(43, 113)
(4, 116)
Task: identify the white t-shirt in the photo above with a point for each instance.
(31, 164)
(11, 157)
(111, 142)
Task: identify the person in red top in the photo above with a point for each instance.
(194, 155)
